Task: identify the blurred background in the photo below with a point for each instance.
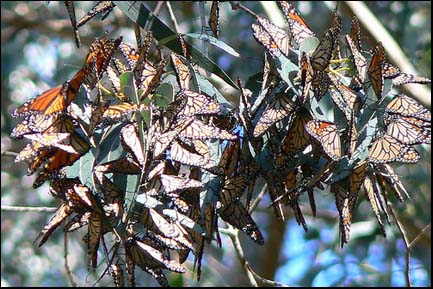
(38, 52)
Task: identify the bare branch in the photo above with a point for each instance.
(406, 243)
(370, 22)
(6, 208)
(67, 268)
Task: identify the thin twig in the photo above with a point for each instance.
(259, 198)
(67, 268)
(264, 280)
(394, 52)
(9, 153)
(238, 5)
(418, 237)
(158, 7)
(406, 243)
(234, 236)
(6, 208)
(173, 17)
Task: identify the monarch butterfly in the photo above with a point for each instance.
(94, 235)
(269, 75)
(57, 139)
(214, 18)
(344, 200)
(199, 130)
(327, 134)
(112, 194)
(104, 7)
(74, 192)
(346, 197)
(77, 222)
(210, 219)
(349, 103)
(130, 54)
(405, 106)
(266, 40)
(278, 35)
(121, 111)
(184, 46)
(358, 60)
(117, 275)
(121, 166)
(56, 159)
(389, 175)
(386, 149)
(375, 198)
(297, 137)
(307, 74)
(322, 55)
(158, 224)
(54, 100)
(375, 71)
(292, 200)
(229, 158)
(236, 215)
(404, 78)
(298, 27)
(406, 132)
(320, 84)
(202, 148)
(355, 34)
(390, 71)
(98, 59)
(162, 141)
(130, 140)
(71, 12)
(335, 29)
(193, 103)
(425, 125)
(130, 268)
(140, 257)
(280, 107)
(172, 184)
(356, 179)
(58, 218)
(232, 189)
(183, 71)
(324, 52)
(147, 76)
(37, 123)
(60, 134)
(30, 151)
(185, 154)
(146, 256)
(114, 70)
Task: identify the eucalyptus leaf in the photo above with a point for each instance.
(140, 14)
(214, 41)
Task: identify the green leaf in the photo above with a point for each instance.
(127, 85)
(83, 168)
(109, 145)
(140, 14)
(164, 95)
(308, 45)
(214, 41)
(285, 67)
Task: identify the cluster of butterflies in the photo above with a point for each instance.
(88, 144)
(151, 172)
(371, 126)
